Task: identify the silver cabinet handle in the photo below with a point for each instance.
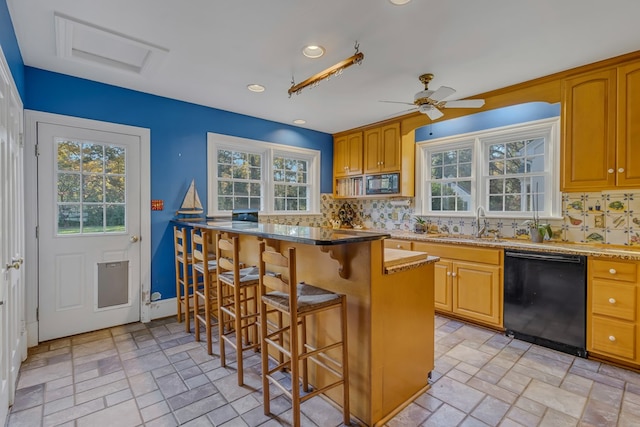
(621, 170)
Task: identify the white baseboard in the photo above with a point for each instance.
(163, 308)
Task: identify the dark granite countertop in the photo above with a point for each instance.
(290, 233)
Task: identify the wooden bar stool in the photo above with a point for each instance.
(184, 285)
(205, 299)
(237, 302)
(298, 301)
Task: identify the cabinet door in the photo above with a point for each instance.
(589, 127)
(390, 149)
(372, 142)
(628, 131)
(477, 293)
(340, 149)
(354, 154)
(442, 285)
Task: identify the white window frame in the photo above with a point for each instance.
(480, 141)
(268, 151)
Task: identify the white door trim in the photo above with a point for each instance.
(31, 199)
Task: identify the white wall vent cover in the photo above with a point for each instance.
(89, 43)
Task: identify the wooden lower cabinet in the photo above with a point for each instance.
(442, 285)
(468, 281)
(477, 293)
(613, 327)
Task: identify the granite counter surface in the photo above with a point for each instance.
(290, 233)
(577, 248)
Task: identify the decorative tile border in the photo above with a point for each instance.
(606, 217)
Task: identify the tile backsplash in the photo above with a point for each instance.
(601, 217)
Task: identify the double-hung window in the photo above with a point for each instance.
(272, 178)
(451, 177)
(510, 172)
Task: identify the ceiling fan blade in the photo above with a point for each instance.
(465, 103)
(442, 93)
(398, 102)
(434, 113)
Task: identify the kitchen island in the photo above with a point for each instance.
(390, 307)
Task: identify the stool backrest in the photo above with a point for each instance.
(199, 245)
(227, 254)
(180, 242)
(272, 261)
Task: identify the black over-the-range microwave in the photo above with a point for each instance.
(388, 183)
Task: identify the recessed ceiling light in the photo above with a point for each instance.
(313, 51)
(255, 87)
(399, 2)
(299, 121)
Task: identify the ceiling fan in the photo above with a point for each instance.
(430, 102)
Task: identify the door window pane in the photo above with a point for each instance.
(91, 184)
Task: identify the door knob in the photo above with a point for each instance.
(14, 264)
(621, 170)
(134, 239)
(612, 300)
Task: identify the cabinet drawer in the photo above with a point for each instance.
(461, 252)
(613, 270)
(613, 337)
(398, 244)
(613, 299)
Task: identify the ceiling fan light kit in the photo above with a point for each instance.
(334, 70)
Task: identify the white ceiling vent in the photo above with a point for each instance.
(89, 43)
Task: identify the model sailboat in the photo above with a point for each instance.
(191, 204)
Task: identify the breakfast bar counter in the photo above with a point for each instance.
(390, 307)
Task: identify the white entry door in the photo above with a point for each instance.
(13, 343)
(88, 229)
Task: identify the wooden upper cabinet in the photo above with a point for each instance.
(601, 129)
(347, 155)
(628, 131)
(382, 149)
(588, 143)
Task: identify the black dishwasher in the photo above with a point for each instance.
(545, 299)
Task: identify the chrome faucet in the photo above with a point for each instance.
(480, 212)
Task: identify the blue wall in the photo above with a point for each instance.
(9, 45)
(489, 119)
(178, 144)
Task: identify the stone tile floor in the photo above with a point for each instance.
(155, 374)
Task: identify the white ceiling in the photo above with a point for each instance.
(214, 49)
